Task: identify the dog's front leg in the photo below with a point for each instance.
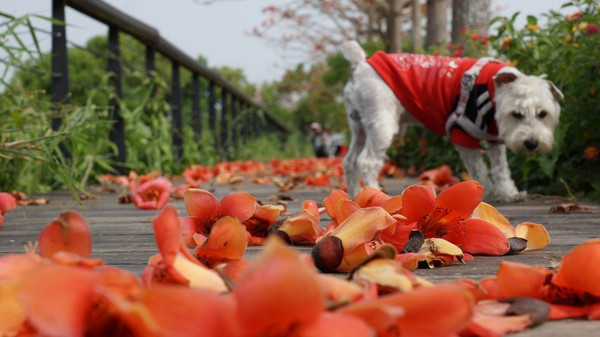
(476, 167)
(504, 187)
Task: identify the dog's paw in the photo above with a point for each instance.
(519, 196)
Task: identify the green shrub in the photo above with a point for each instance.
(567, 49)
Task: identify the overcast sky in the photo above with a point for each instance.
(218, 31)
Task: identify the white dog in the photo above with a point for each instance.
(469, 100)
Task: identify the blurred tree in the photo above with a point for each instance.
(416, 31)
(437, 11)
(394, 26)
(474, 15)
(316, 28)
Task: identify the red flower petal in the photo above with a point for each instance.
(438, 310)
(461, 198)
(370, 196)
(58, 299)
(201, 204)
(241, 205)
(69, 233)
(332, 199)
(517, 279)
(278, 279)
(177, 311)
(344, 209)
(7, 202)
(393, 205)
(334, 325)
(417, 201)
(579, 268)
(479, 237)
(227, 241)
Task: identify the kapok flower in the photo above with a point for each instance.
(153, 194)
(447, 216)
(303, 228)
(7, 202)
(352, 241)
(227, 241)
(196, 174)
(67, 233)
(440, 178)
(204, 210)
(175, 264)
(574, 290)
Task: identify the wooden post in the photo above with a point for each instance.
(59, 86)
(224, 123)
(212, 114)
(117, 134)
(151, 66)
(235, 123)
(176, 121)
(196, 115)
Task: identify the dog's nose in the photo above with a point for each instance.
(531, 144)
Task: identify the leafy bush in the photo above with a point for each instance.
(567, 49)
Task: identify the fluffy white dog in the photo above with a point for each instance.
(469, 100)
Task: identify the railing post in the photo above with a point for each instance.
(151, 66)
(60, 63)
(176, 122)
(211, 115)
(196, 116)
(223, 124)
(117, 134)
(235, 123)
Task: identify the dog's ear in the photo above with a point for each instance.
(558, 95)
(504, 78)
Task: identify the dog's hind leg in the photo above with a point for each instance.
(380, 129)
(357, 143)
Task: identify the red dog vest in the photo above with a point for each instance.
(429, 87)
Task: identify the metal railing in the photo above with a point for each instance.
(255, 117)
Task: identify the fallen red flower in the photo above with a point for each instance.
(7, 203)
(447, 216)
(175, 264)
(204, 210)
(439, 178)
(67, 233)
(153, 194)
(197, 174)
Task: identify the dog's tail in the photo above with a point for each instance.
(353, 52)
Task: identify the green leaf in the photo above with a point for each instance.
(531, 20)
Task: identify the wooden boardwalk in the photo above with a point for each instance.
(122, 235)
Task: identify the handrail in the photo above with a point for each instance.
(150, 36)
(111, 16)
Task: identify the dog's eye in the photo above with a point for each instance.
(542, 114)
(517, 115)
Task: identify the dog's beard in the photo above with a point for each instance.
(518, 136)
